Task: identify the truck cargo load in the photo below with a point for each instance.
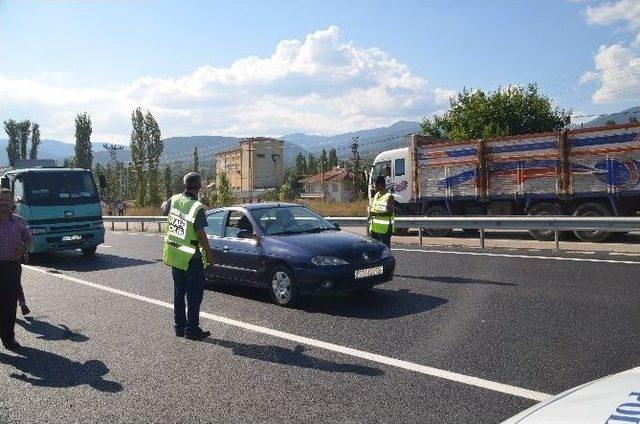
(582, 172)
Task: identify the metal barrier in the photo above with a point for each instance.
(481, 223)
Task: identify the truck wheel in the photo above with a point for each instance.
(88, 252)
(594, 210)
(437, 232)
(544, 209)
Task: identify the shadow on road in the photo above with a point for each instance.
(50, 332)
(47, 369)
(456, 280)
(296, 357)
(74, 261)
(376, 303)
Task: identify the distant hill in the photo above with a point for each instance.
(372, 141)
(49, 149)
(180, 149)
(619, 118)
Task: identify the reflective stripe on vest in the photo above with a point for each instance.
(181, 240)
(381, 224)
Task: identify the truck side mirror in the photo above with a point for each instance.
(5, 183)
(103, 182)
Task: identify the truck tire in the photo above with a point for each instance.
(544, 209)
(594, 210)
(437, 211)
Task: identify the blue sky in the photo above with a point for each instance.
(211, 67)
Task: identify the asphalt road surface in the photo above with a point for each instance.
(457, 336)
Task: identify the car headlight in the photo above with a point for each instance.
(328, 261)
(37, 230)
(98, 225)
(386, 253)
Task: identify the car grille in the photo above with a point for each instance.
(359, 258)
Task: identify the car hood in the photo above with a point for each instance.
(599, 401)
(335, 243)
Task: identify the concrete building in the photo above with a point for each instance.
(255, 166)
(335, 185)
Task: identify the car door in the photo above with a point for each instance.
(215, 233)
(241, 250)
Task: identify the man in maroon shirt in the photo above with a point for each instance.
(14, 242)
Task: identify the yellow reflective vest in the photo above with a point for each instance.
(382, 219)
(181, 239)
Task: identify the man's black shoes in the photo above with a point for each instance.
(179, 333)
(12, 345)
(198, 335)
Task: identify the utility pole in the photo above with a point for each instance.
(113, 152)
(355, 160)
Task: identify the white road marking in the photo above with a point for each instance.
(624, 254)
(104, 245)
(508, 255)
(410, 366)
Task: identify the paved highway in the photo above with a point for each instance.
(457, 336)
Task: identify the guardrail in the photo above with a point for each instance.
(481, 223)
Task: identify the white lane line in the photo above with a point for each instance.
(104, 245)
(508, 255)
(410, 366)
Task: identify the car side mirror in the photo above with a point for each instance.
(18, 199)
(336, 225)
(103, 182)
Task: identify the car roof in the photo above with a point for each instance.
(44, 169)
(256, 206)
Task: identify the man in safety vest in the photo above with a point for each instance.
(184, 245)
(381, 213)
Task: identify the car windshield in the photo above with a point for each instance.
(290, 220)
(59, 188)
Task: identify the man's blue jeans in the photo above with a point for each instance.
(191, 284)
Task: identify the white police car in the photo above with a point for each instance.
(610, 400)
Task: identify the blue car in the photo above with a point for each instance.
(292, 251)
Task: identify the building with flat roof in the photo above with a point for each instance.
(256, 165)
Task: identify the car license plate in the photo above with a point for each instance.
(71, 238)
(369, 272)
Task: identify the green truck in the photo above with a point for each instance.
(61, 206)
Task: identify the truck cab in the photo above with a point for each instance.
(395, 166)
(61, 207)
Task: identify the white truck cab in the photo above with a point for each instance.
(396, 167)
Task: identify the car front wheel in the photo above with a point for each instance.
(282, 287)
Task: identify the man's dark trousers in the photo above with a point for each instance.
(191, 284)
(9, 287)
(384, 238)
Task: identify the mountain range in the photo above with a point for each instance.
(371, 141)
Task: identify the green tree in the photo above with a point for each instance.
(513, 110)
(24, 132)
(312, 164)
(155, 145)
(633, 119)
(286, 192)
(196, 160)
(333, 158)
(300, 167)
(13, 144)
(224, 195)
(98, 170)
(610, 122)
(138, 147)
(270, 196)
(35, 141)
(324, 161)
(167, 182)
(68, 163)
(84, 154)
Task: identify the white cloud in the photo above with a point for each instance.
(617, 66)
(321, 84)
(626, 11)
